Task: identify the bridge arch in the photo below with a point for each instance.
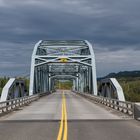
(64, 59)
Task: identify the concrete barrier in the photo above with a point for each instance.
(137, 111)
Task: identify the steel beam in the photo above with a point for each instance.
(46, 65)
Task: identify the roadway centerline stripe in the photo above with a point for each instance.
(59, 137)
(65, 119)
(63, 124)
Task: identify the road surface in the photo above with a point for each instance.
(79, 119)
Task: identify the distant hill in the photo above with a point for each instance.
(124, 74)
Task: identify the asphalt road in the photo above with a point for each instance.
(86, 120)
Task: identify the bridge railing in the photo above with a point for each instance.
(13, 104)
(122, 106)
(10, 105)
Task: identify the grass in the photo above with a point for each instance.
(131, 88)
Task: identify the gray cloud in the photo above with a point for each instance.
(114, 61)
(111, 25)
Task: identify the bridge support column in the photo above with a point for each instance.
(74, 85)
(77, 84)
(94, 78)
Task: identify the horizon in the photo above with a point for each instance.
(28, 75)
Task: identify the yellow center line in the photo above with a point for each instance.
(65, 119)
(63, 130)
(59, 137)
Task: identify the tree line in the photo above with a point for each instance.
(130, 85)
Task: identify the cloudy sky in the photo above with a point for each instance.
(113, 26)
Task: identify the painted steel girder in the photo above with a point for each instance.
(79, 56)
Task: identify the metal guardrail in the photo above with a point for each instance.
(10, 105)
(122, 106)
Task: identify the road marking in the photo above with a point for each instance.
(61, 124)
(63, 129)
(65, 119)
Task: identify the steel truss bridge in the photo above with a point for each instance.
(67, 60)
(85, 112)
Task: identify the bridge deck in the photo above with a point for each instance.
(86, 120)
(49, 108)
